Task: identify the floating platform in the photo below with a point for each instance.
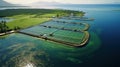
(60, 32)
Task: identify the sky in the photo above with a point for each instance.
(65, 1)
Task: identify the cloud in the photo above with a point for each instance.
(21, 1)
(64, 1)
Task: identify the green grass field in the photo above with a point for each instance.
(24, 18)
(24, 21)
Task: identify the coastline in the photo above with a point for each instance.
(28, 18)
(9, 32)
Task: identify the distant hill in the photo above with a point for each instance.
(4, 3)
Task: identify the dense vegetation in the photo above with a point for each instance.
(3, 27)
(23, 18)
(37, 12)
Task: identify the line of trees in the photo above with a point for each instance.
(3, 27)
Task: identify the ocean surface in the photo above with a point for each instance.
(103, 49)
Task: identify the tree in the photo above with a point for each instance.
(3, 27)
(82, 14)
(57, 15)
(17, 28)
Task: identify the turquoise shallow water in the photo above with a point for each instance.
(18, 47)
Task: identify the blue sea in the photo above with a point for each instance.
(107, 27)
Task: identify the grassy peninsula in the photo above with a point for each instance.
(23, 18)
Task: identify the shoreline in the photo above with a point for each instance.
(7, 33)
(83, 42)
(34, 19)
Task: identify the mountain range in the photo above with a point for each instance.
(4, 3)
